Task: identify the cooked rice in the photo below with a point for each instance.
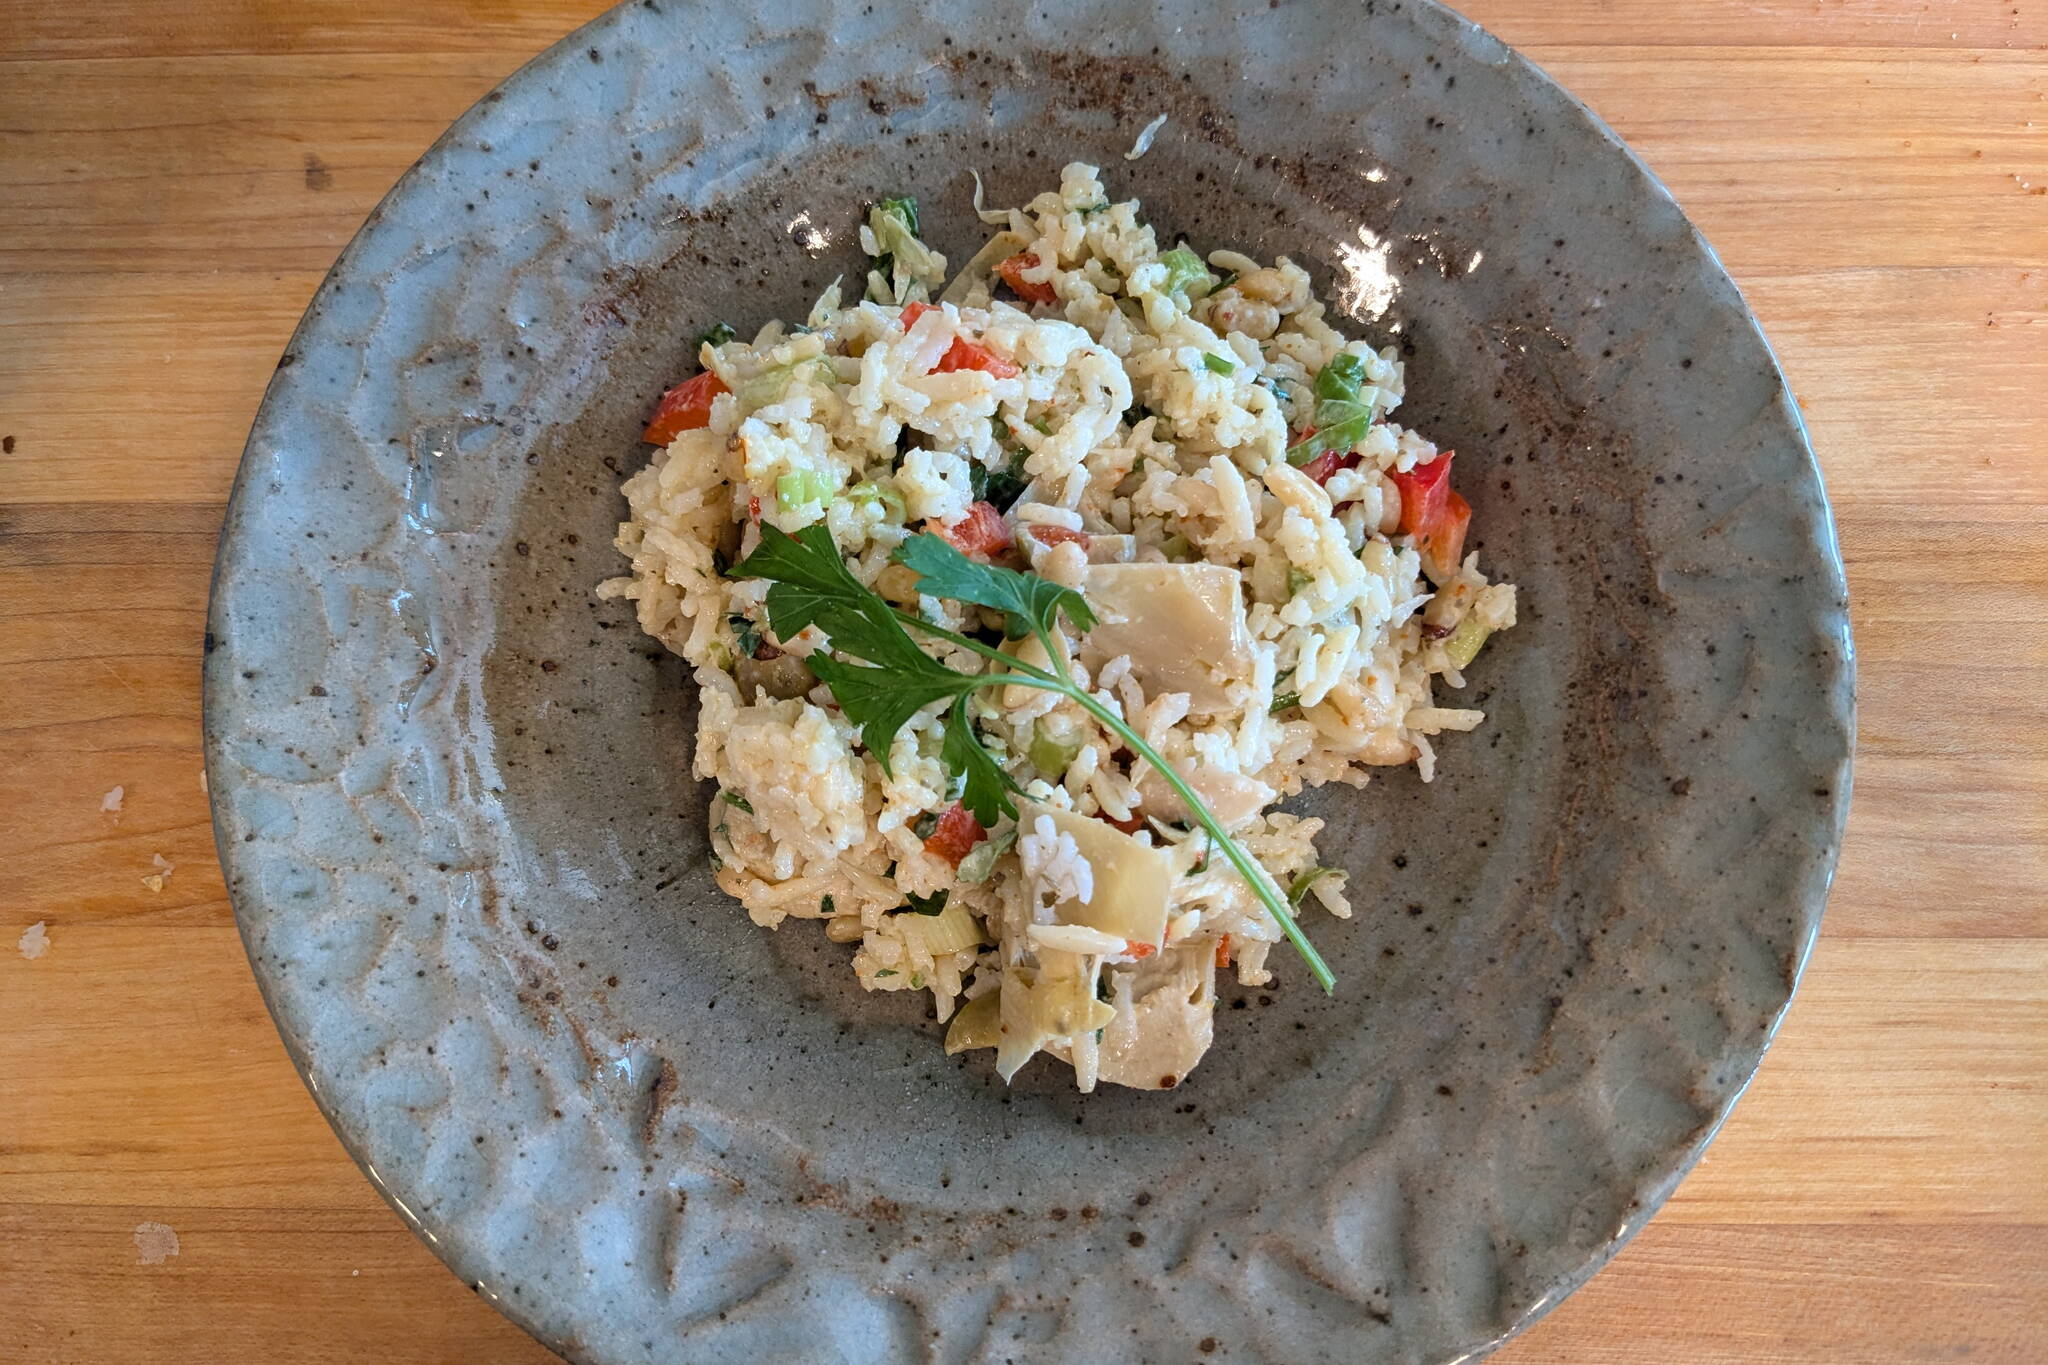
(1139, 412)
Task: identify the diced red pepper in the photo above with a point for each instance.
(913, 311)
(1139, 949)
(686, 407)
(1329, 462)
(754, 509)
(1435, 515)
(1031, 291)
(1222, 952)
(956, 833)
(971, 355)
(1057, 535)
(1131, 825)
(982, 533)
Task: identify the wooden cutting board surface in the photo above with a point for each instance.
(175, 179)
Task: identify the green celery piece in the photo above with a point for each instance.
(1050, 756)
(1464, 643)
(803, 488)
(980, 863)
(1185, 271)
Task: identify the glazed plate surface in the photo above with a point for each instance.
(452, 790)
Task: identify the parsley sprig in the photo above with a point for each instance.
(885, 677)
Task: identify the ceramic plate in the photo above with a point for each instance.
(452, 789)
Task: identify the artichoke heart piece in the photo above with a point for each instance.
(1046, 1004)
(1133, 881)
(1182, 624)
(978, 1023)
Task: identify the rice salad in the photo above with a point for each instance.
(1017, 598)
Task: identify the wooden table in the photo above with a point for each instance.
(174, 180)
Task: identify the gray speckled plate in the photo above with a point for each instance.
(452, 791)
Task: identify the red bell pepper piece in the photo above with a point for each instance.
(1057, 535)
(982, 533)
(686, 407)
(1131, 825)
(956, 833)
(969, 355)
(1031, 291)
(1435, 515)
(1329, 462)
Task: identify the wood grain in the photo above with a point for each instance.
(175, 179)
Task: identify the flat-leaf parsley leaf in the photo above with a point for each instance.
(887, 677)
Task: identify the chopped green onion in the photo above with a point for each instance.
(1308, 877)
(1297, 579)
(934, 904)
(886, 971)
(904, 268)
(735, 799)
(1229, 278)
(980, 863)
(1286, 701)
(1177, 549)
(826, 907)
(1087, 210)
(1218, 365)
(746, 633)
(717, 336)
(903, 209)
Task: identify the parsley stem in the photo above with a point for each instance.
(1062, 681)
(1254, 877)
(988, 652)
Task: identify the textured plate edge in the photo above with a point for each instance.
(1654, 1192)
